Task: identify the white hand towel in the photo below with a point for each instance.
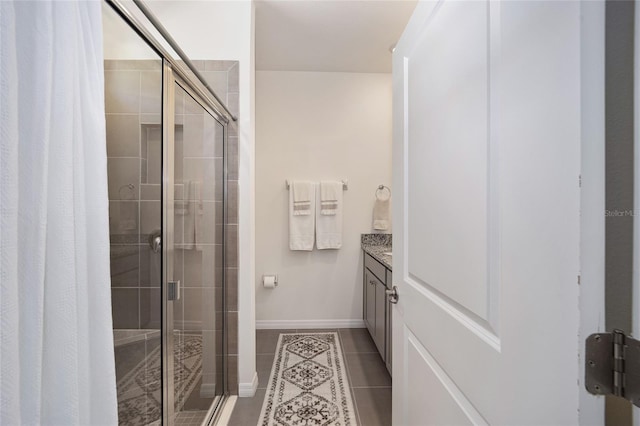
(302, 196)
(329, 227)
(302, 225)
(329, 197)
(381, 220)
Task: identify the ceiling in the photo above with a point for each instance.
(326, 35)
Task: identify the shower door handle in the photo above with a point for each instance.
(173, 290)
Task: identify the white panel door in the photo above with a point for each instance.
(487, 221)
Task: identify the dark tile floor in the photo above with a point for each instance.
(368, 377)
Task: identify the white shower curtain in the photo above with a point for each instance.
(56, 347)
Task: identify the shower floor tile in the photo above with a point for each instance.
(190, 418)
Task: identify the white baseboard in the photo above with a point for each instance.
(306, 324)
(247, 390)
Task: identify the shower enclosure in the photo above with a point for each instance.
(167, 146)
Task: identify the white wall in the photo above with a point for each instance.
(313, 126)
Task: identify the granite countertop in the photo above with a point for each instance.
(376, 245)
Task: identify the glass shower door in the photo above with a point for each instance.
(166, 216)
(133, 103)
(197, 259)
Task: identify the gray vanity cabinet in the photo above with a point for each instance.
(377, 311)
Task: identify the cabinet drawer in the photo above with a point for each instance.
(374, 266)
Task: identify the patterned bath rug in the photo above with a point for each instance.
(308, 384)
(139, 392)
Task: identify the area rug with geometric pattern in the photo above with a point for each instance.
(308, 385)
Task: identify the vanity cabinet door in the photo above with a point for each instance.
(370, 301)
(381, 308)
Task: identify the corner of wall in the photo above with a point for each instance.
(248, 390)
(247, 376)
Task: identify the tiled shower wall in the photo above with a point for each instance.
(133, 108)
(133, 102)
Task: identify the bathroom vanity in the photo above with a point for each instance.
(377, 278)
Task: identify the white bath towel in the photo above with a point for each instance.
(381, 215)
(302, 226)
(329, 227)
(302, 196)
(329, 197)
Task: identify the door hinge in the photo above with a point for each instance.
(613, 365)
(580, 181)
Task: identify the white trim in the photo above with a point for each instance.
(227, 410)
(248, 390)
(592, 197)
(307, 324)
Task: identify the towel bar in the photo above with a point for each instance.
(380, 189)
(345, 184)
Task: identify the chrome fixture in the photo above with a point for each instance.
(392, 295)
(155, 241)
(380, 191)
(345, 184)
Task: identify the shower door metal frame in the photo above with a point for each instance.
(170, 79)
(167, 214)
